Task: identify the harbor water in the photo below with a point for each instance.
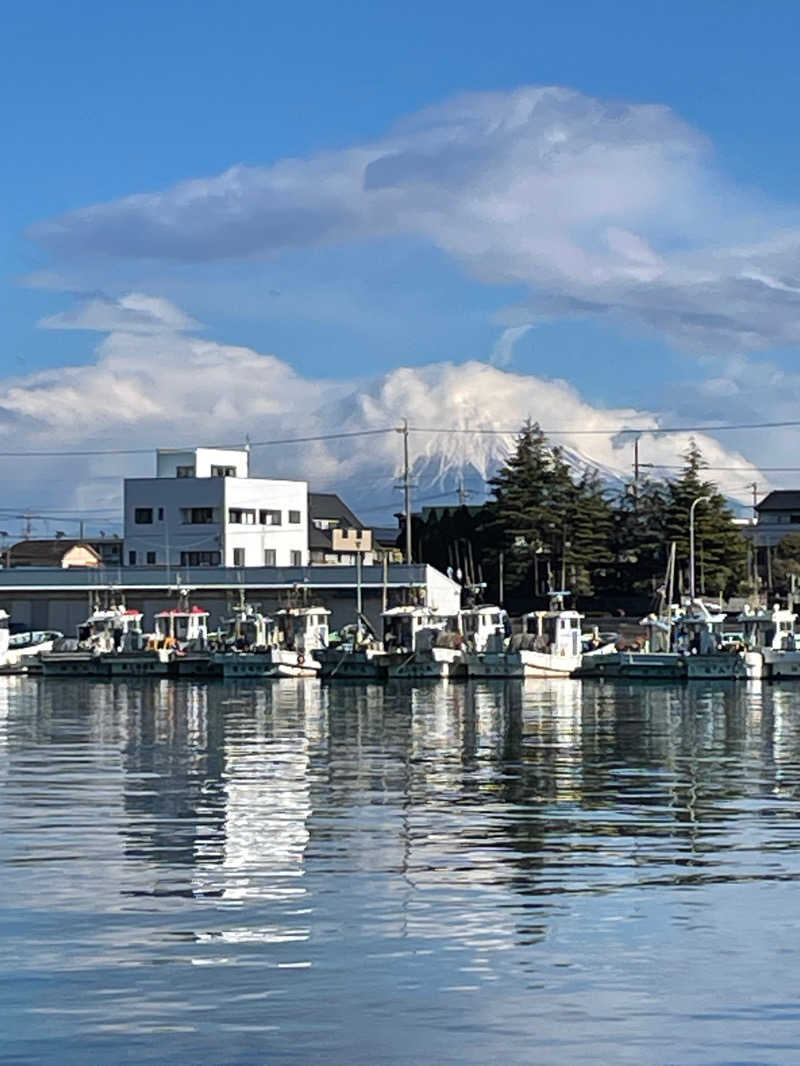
(519, 873)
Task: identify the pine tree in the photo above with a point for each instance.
(590, 526)
(720, 550)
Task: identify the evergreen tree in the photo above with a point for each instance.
(720, 550)
(786, 562)
(520, 519)
(590, 527)
(639, 544)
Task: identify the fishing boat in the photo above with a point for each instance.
(548, 646)
(181, 635)
(771, 632)
(655, 661)
(357, 656)
(699, 637)
(302, 632)
(246, 638)
(420, 643)
(107, 632)
(486, 629)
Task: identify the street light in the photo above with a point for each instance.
(700, 499)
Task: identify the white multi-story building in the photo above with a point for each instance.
(203, 509)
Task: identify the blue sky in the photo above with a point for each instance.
(363, 234)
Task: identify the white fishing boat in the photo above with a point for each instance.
(420, 643)
(549, 645)
(486, 630)
(303, 631)
(108, 631)
(771, 632)
(181, 636)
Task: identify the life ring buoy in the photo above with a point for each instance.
(300, 659)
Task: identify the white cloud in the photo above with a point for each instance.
(597, 207)
(503, 351)
(132, 313)
(148, 389)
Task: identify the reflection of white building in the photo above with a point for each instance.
(203, 509)
(268, 804)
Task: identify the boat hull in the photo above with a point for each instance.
(136, 664)
(361, 664)
(285, 663)
(72, 664)
(439, 664)
(716, 667)
(634, 665)
(238, 666)
(781, 665)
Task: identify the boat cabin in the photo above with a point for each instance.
(413, 628)
(246, 629)
(304, 629)
(182, 626)
(557, 630)
(765, 628)
(112, 629)
(699, 629)
(485, 628)
(659, 632)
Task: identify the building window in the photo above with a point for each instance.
(238, 556)
(223, 471)
(151, 558)
(161, 514)
(197, 516)
(143, 516)
(795, 519)
(131, 558)
(200, 558)
(270, 558)
(269, 518)
(184, 471)
(294, 518)
(239, 516)
(296, 559)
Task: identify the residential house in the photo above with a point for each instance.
(335, 535)
(57, 552)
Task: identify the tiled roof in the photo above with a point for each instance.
(45, 552)
(329, 505)
(780, 500)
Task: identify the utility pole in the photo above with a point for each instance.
(406, 488)
(636, 468)
(754, 487)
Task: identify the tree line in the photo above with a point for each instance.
(546, 527)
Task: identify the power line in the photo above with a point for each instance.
(91, 453)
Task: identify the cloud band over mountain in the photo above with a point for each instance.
(149, 388)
